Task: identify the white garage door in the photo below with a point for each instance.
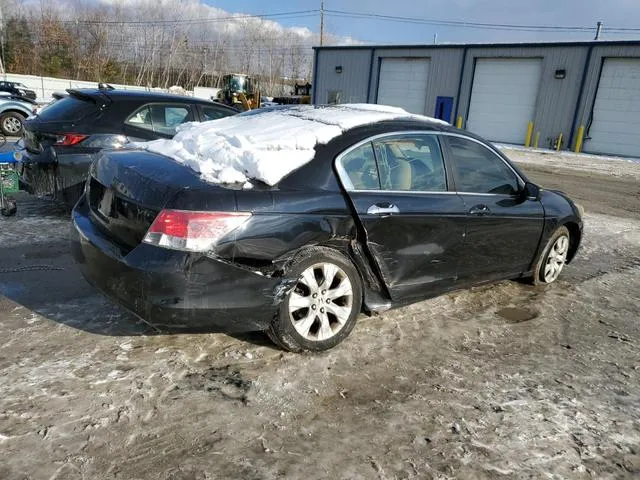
(503, 98)
(616, 113)
(403, 83)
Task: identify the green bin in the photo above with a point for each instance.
(9, 178)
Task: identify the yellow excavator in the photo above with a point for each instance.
(238, 90)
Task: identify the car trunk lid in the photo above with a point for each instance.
(127, 189)
(44, 128)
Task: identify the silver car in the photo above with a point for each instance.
(13, 112)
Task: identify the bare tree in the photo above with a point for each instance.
(151, 43)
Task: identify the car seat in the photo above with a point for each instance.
(399, 171)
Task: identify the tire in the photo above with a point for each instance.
(313, 317)
(9, 209)
(11, 124)
(553, 258)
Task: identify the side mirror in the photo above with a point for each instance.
(531, 191)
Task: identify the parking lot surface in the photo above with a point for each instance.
(501, 381)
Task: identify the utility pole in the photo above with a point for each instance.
(598, 31)
(2, 70)
(321, 22)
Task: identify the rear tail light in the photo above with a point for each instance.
(192, 231)
(69, 139)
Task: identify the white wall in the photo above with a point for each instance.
(45, 86)
(206, 93)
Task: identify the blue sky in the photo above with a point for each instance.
(618, 13)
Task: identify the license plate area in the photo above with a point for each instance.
(100, 199)
(120, 219)
(105, 205)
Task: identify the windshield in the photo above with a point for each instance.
(238, 84)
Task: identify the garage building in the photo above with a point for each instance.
(583, 96)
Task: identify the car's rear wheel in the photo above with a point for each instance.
(553, 258)
(321, 309)
(11, 124)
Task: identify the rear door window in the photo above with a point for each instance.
(359, 166)
(411, 162)
(160, 118)
(67, 108)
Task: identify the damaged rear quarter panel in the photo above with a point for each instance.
(285, 223)
(290, 221)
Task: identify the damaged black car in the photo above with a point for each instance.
(59, 141)
(387, 210)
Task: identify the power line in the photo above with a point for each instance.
(239, 45)
(196, 47)
(228, 18)
(356, 15)
(478, 25)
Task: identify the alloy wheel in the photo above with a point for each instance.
(556, 258)
(322, 302)
(12, 125)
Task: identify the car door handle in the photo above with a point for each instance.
(479, 210)
(382, 209)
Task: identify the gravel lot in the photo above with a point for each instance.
(502, 381)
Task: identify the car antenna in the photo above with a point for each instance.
(105, 86)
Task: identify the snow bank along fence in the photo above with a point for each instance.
(45, 86)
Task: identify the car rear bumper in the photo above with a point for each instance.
(61, 176)
(174, 289)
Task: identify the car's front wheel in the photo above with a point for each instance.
(11, 124)
(321, 309)
(553, 258)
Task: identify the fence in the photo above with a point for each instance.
(45, 86)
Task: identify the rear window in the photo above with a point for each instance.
(214, 113)
(67, 108)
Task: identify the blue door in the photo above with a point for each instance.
(444, 107)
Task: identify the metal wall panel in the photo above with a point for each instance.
(615, 122)
(444, 72)
(503, 97)
(560, 106)
(403, 83)
(592, 79)
(352, 82)
(557, 98)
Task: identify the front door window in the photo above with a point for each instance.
(479, 170)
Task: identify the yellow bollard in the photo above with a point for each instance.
(559, 144)
(536, 142)
(527, 140)
(579, 139)
(459, 122)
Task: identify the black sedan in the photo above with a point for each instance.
(59, 140)
(18, 89)
(386, 213)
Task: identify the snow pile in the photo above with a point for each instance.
(266, 144)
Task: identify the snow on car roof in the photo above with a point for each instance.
(266, 144)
